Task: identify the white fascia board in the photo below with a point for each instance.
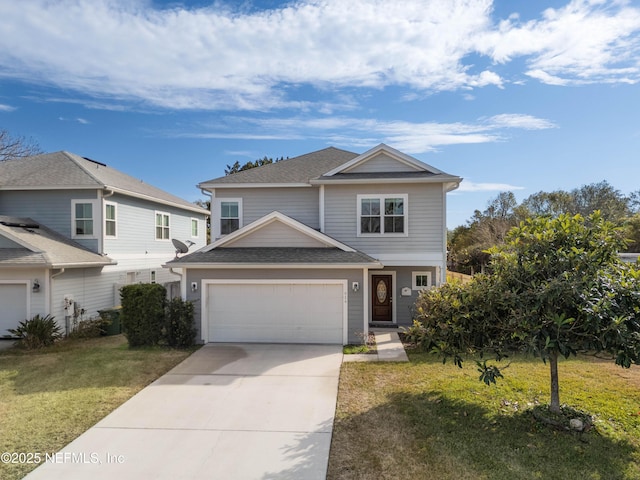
(279, 266)
(273, 217)
(150, 198)
(382, 179)
(208, 186)
(52, 187)
(429, 259)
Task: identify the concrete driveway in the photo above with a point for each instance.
(229, 411)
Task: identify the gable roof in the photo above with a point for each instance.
(297, 171)
(254, 228)
(227, 252)
(40, 246)
(333, 166)
(64, 170)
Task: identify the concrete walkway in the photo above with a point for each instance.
(229, 411)
(389, 348)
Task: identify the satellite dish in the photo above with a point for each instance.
(180, 247)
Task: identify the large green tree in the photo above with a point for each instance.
(557, 288)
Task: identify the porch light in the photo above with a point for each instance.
(36, 286)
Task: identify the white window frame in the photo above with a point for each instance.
(382, 198)
(196, 222)
(95, 218)
(114, 220)
(215, 225)
(414, 278)
(155, 226)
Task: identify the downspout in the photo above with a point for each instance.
(183, 283)
(209, 194)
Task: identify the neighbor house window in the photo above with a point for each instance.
(421, 280)
(162, 226)
(83, 212)
(110, 219)
(194, 227)
(382, 214)
(229, 217)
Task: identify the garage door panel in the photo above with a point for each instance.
(276, 312)
(13, 298)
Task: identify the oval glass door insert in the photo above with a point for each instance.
(381, 291)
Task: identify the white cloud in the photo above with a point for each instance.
(217, 58)
(468, 186)
(409, 137)
(6, 108)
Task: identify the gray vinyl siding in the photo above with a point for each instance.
(277, 235)
(355, 299)
(136, 228)
(300, 203)
(425, 212)
(6, 243)
(51, 208)
(404, 305)
(381, 163)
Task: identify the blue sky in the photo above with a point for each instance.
(513, 95)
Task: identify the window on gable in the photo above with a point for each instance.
(229, 217)
(83, 220)
(162, 226)
(110, 219)
(382, 214)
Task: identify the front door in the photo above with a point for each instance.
(382, 298)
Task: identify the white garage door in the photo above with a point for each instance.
(13, 305)
(277, 311)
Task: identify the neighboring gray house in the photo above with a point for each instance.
(73, 231)
(317, 248)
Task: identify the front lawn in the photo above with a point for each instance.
(426, 420)
(49, 397)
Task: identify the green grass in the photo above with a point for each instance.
(48, 397)
(426, 420)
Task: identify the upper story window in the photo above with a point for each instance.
(83, 218)
(229, 216)
(110, 212)
(162, 226)
(194, 228)
(382, 214)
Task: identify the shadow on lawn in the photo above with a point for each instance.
(445, 433)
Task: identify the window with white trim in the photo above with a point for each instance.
(110, 218)
(229, 216)
(194, 228)
(382, 214)
(162, 226)
(83, 218)
(421, 280)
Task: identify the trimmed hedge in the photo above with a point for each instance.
(142, 314)
(149, 319)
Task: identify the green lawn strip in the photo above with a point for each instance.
(49, 397)
(438, 421)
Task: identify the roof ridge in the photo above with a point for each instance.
(71, 156)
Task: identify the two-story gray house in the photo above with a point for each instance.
(317, 248)
(73, 231)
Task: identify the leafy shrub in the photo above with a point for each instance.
(180, 329)
(37, 333)
(143, 315)
(91, 328)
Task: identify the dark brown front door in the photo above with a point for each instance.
(381, 298)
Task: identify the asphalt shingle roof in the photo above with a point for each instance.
(276, 255)
(64, 169)
(292, 170)
(43, 247)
